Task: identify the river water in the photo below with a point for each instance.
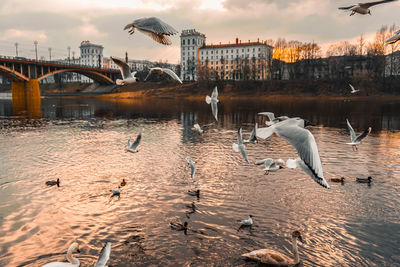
(81, 141)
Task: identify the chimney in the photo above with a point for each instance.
(249, 41)
(258, 40)
(237, 40)
(240, 41)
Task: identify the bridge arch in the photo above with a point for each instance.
(94, 75)
(12, 74)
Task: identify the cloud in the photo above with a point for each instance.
(16, 34)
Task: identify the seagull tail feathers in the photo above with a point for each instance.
(235, 147)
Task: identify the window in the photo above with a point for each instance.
(259, 49)
(212, 52)
(248, 50)
(254, 49)
(183, 41)
(193, 41)
(211, 57)
(242, 49)
(227, 67)
(202, 52)
(232, 51)
(216, 67)
(216, 52)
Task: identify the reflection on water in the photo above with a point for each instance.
(82, 141)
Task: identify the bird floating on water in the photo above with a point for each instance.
(192, 167)
(72, 262)
(127, 76)
(160, 71)
(54, 182)
(133, 147)
(239, 147)
(355, 141)
(248, 222)
(104, 255)
(292, 130)
(179, 226)
(338, 180)
(123, 183)
(116, 192)
(353, 90)
(194, 192)
(364, 180)
(275, 258)
(271, 165)
(213, 100)
(363, 8)
(153, 27)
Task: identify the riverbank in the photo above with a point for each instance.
(271, 90)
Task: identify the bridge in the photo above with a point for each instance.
(25, 75)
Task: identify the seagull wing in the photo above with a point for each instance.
(253, 136)
(352, 88)
(352, 133)
(271, 116)
(367, 5)
(347, 7)
(154, 25)
(261, 162)
(172, 74)
(104, 255)
(363, 135)
(304, 142)
(214, 94)
(123, 67)
(394, 38)
(137, 141)
(214, 109)
(158, 37)
(243, 152)
(148, 74)
(239, 136)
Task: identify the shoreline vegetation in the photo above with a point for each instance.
(255, 90)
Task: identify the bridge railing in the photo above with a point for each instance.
(64, 63)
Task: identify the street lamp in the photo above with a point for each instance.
(69, 53)
(36, 43)
(50, 53)
(16, 49)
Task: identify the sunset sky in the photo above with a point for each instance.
(62, 23)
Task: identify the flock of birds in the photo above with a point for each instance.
(293, 130)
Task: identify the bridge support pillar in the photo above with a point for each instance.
(26, 98)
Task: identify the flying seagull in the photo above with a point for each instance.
(292, 130)
(192, 167)
(197, 128)
(239, 147)
(153, 27)
(160, 71)
(213, 100)
(355, 141)
(394, 38)
(271, 165)
(363, 8)
(353, 90)
(104, 255)
(132, 147)
(127, 76)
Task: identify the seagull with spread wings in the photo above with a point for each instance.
(133, 147)
(104, 255)
(127, 76)
(355, 141)
(394, 38)
(213, 100)
(161, 71)
(153, 27)
(363, 8)
(239, 147)
(353, 90)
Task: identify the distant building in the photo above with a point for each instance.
(392, 66)
(91, 54)
(191, 40)
(237, 61)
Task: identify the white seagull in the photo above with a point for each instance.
(239, 147)
(213, 100)
(116, 192)
(248, 222)
(192, 167)
(197, 128)
(127, 76)
(353, 90)
(272, 119)
(153, 27)
(271, 165)
(363, 8)
(72, 262)
(104, 255)
(132, 147)
(292, 130)
(394, 38)
(253, 135)
(160, 71)
(355, 141)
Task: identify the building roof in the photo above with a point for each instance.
(88, 43)
(191, 32)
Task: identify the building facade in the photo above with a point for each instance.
(191, 41)
(237, 61)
